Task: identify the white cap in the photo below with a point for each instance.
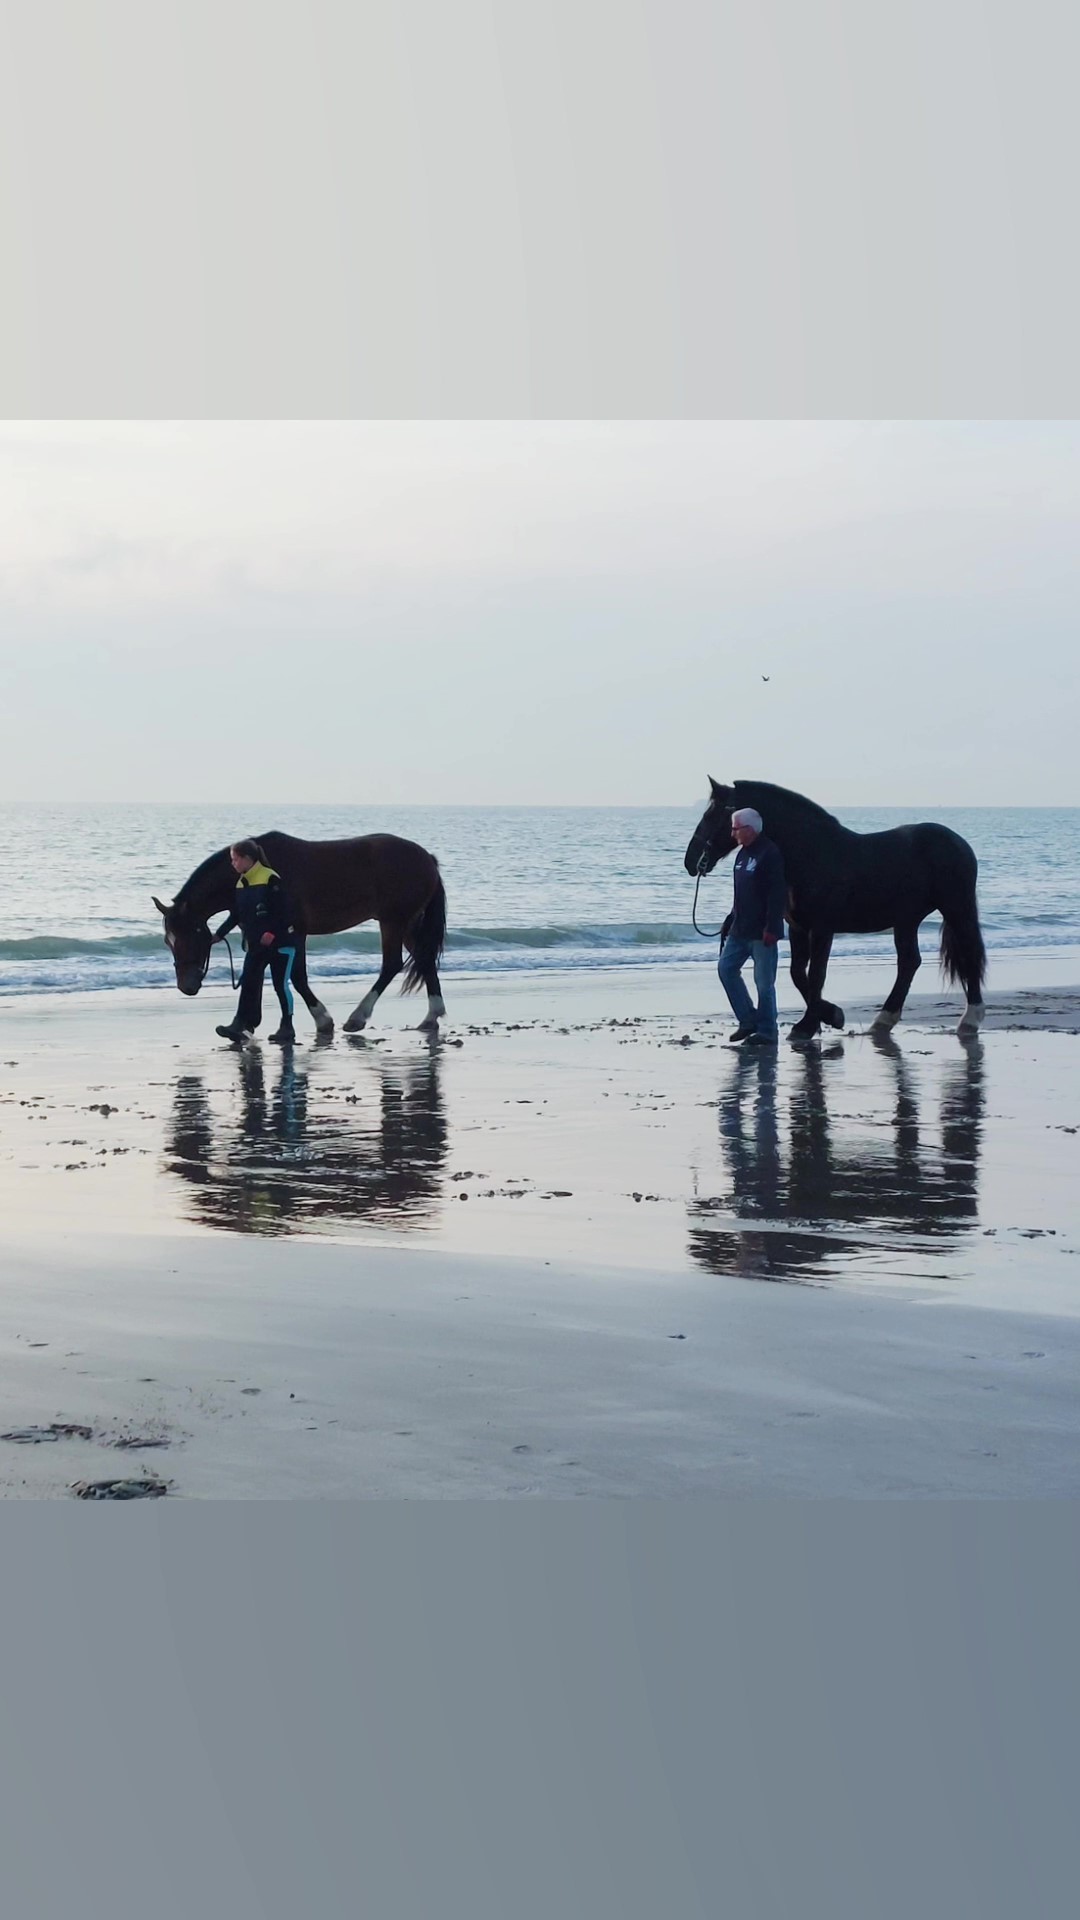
(747, 817)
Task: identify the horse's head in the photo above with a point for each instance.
(188, 940)
(711, 840)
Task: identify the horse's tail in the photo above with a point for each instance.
(427, 937)
(954, 873)
(963, 954)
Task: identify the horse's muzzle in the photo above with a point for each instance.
(189, 983)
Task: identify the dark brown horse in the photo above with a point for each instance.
(333, 884)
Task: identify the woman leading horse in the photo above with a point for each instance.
(332, 885)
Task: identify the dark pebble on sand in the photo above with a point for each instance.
(60, 1430)
(120, 1489)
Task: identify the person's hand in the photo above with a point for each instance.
(769, 940)
(268, 940)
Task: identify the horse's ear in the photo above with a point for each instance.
(716, 787)
(162, 910)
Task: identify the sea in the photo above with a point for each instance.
(528, 888)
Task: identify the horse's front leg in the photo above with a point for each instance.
(324, 1020)
(820, 949)
(392, 963)
(817, 1009)
(800, 960)
(801, 947)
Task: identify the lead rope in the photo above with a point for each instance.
(209, 957)
(705, 934)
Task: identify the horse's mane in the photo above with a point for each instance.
(200, 873)
(766, 789)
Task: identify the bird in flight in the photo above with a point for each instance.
(766, 676)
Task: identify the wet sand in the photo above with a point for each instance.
(576, 1246)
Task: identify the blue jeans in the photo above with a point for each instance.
(733, 959)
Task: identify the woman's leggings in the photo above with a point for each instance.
(280, 959)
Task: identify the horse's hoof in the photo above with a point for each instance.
(834, 1016)
(971, 1019)
(430, 1025)
(353, 1025)
(884, 1022)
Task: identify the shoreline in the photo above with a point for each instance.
(677, 988)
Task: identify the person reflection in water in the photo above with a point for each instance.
(839, 1171)
(297, 1154)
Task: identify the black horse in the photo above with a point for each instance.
(844, 882)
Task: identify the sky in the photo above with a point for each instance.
(599, 613)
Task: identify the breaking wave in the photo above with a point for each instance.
(53, 963)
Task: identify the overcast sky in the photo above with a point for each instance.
(504, 613)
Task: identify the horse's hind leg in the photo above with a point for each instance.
(908, 962)
(392, 963)
(975, 1012)
(324, 1020)
(436, 1005)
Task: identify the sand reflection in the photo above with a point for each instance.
(290, 1153)
(805, 1151)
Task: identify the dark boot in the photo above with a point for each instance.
(740, 1034)
(235, 1032)
(285, 1035)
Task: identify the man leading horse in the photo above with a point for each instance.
(753, 930)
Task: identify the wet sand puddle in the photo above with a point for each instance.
(911, 1161)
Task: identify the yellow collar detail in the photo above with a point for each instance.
(257, 876)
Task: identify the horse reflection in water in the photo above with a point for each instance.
(297, 1155)
(843, 1171)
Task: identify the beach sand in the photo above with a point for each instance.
(576, 1246)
